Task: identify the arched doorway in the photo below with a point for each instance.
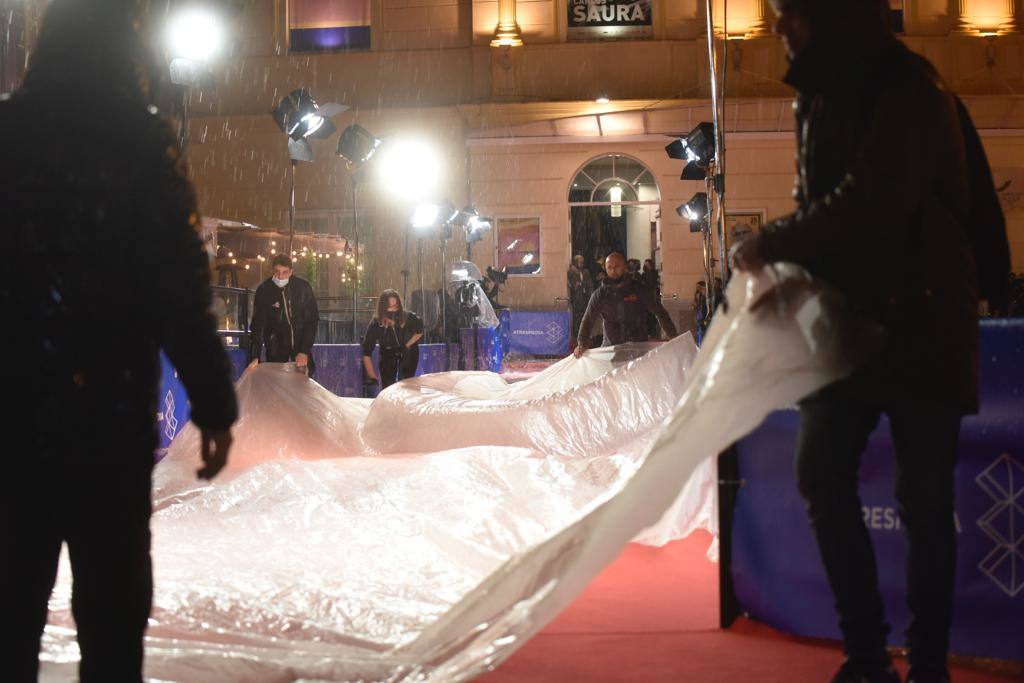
(614, 205)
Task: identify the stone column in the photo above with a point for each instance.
(507, 34)
(996, 16)
(764, 19)
(958, 22)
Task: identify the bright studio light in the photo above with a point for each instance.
(425, 216)
(409, 168)
(195, 33)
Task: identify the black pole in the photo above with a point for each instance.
(355, 263)
(405, 268)
(184, 119)
(423, 297)
(291, 210)
(444, 326)
(729, 483)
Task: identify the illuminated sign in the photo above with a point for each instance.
(609, 19)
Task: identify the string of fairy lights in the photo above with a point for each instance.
(226, 256)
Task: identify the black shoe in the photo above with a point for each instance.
(920, 675)
(856, 672)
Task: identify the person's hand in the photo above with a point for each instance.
(215, 447)
(579, 350)
(301, 360)
(747, 255)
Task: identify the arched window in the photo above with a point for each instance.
(614, 205)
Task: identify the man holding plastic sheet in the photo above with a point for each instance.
(104, 269)
(622, 303)
(284, 318)
(896, 210)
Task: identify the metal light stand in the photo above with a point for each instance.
(444, 288)
(729, 479)
(355, 257)
(419, 267)
(405, 266)
(291, 208)
(716, 184)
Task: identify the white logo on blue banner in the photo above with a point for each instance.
(555, 332)
(1003, 481)
(170, 422)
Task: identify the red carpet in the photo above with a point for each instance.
(652, 617)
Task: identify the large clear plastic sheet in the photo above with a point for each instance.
(426, 535)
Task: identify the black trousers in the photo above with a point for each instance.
(100, 507)
(834, 427)
(396, 365)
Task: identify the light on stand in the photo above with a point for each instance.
(700, 152)
(193, 36)
(475, 225)
(409, 168)
(300, 117)
(697, 211)
(356, 145)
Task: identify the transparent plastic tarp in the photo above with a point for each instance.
(426, 535)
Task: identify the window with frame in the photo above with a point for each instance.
(328, 25)
(518, 245)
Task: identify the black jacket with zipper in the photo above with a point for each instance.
(882, 195)
(284, 320)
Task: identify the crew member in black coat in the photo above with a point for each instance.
(398, 333)
(888, 166)
(284, 318)
(622, 303)
(104, 269)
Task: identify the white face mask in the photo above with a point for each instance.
(280, 283)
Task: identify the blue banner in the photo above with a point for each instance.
(481, 348)
(539, 333)
(173, 409)
(776, 569)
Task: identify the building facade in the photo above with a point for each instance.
(551, 116)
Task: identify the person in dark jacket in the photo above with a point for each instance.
(284, 318)
(580, 287)
(105, 269)
(883, 193)
(651, 279)
(622, 304)
(398, 333)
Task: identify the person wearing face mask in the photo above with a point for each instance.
(622, 304)
(285, 317)
(398, 332)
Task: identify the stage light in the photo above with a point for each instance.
(356, 144)
(299, 116)
(697, 210)
(425, 216)
(697, 149)
(195, 33)
(193, 36)
(409, 168)
(602, 100)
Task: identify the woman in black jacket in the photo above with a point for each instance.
(398, 332)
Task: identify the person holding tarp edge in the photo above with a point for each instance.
(896, 209)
